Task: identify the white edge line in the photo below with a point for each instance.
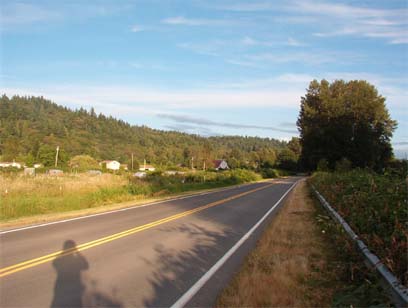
(122, 210)
(186, 297)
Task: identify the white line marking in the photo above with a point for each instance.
(186, 297)
(121, 210)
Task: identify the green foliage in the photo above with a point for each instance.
(376, 208)
(345, 119)
(270, 173)
(155, 183)
(295, 147)
(29, 160)
(343, 165)
(36, 126)
(287, 160)
(83, 163)
(323, 165)
(46, 155)
(397, 167)
(353, 283)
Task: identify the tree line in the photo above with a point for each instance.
(32, 127)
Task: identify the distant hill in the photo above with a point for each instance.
(32, 127)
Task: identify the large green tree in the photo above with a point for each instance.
(344, 120)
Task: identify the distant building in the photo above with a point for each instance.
(29, 171)
(36, 166)
(145, 167)
(139, 174)
(173, 172)
(13, 164)
(111, 164)
(220, 164)
(55, 172)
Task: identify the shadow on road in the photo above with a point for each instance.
(179, 269)
(70, 290)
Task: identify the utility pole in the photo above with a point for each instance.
(204, 165)
(56, 157)
(132, 161)
(192, 163)
(144, 164)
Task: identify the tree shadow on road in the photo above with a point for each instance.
(70, 290)
(177, 269)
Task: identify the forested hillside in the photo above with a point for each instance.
(32, 127)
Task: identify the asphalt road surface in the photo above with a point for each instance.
(180, 252)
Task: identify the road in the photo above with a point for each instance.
(178, 252)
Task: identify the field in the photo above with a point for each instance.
(376, 208)
(23, 196)
(26, 196)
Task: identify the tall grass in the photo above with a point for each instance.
(159, 184)
(26, 196)
(376, 207)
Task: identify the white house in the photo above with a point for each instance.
(111, 164)
(10, 164)
(220, 164)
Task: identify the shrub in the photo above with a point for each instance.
(343, 165)
(323, 165)
(376, 208)
(269, 173)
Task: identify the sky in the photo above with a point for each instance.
(205, 67)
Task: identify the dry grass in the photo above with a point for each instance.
(287, 263)
(26, 196)
(52, 185)
(39, 190)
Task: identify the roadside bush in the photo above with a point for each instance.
(323, 165)
(155, 183)
(269, 173)
(376, 207)
(343, 165)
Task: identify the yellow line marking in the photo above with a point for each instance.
(50, 257)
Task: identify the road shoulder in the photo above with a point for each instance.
(285, 258)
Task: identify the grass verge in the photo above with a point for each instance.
(135, 201)
(298, 262)
(23, 196)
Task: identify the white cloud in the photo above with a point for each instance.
(23, 14)
(160, 99)
(253, 6)
(182, 118)
(18, 15)
(137, 28)
(209, 48)
(148, 66)
(180, 20)
(291, 57)
(294, 43)
(249, 41)
(389, 24)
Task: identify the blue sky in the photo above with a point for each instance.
(206, 67)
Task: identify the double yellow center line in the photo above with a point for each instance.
(50, 257)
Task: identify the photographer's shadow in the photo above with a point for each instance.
(69, 288)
